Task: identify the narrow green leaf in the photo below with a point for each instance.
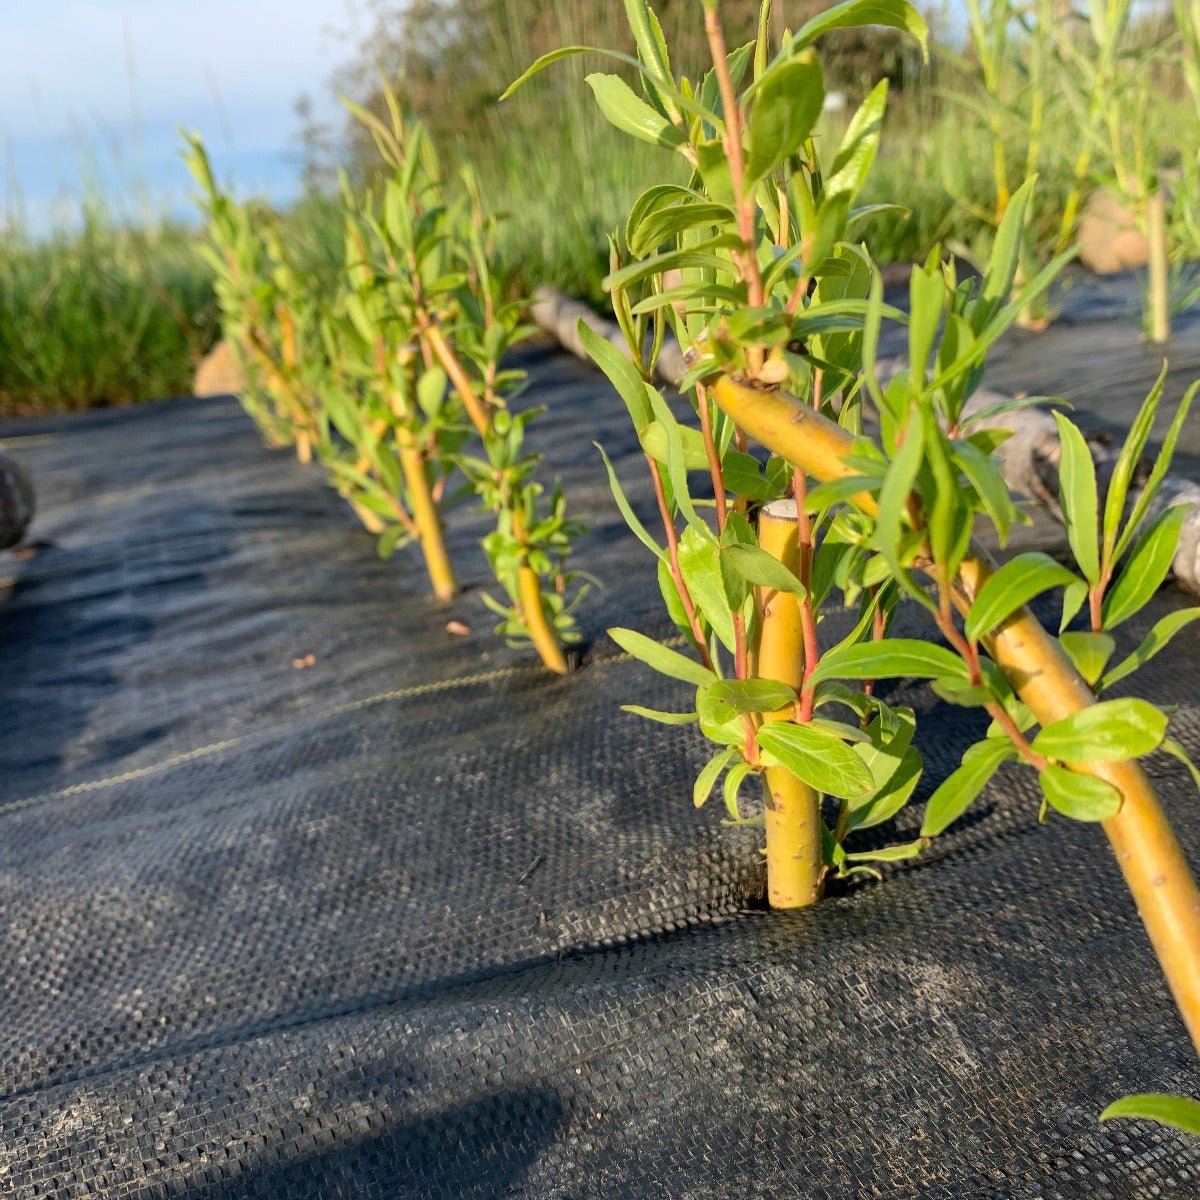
(890, 853)
(738, 774)
(891, 796)
(1158, 471)
(657, 443)
(1161, 633)
(890, 658)
(1006, 249)
(1077, 496)
(955, 795)
(1078, 796)
(701, 568)
(1013, 585)
(665, 211)
(856, 154)
(1074, 597)
(897, 14)
(622, 374)
(985, 476)
(1147, 566)
(663, 718)
(1126, 464)
(677, 463)
(1089, 652)
(893, 496)
(626, 509)
(625, 109)
(756, 566)
(817, 758)
(1177, 1111)
(663, 660)
(1175, 750)
(732, 697)
(1110, 731)
(786, 106)
(706, 780)
(927, 298)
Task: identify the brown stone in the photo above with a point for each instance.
(1109, 240)
(219, 374)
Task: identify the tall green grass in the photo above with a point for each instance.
(100, 314)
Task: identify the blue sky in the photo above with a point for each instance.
(76, 72)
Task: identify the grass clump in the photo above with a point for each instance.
(106, 314)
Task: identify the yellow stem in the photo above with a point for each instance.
(544, 641)
(372, 522)
(1156, 265)
(1151, 860)
(792, 809)
(429, 526)
(476, 409)
(529, 590)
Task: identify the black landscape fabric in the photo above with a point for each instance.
(409, 918)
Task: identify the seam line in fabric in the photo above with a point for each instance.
(396, 694)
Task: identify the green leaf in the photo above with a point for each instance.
(756, 566)
(1110, 731)
(786, 106)
(730, 698)
(743, 476)
(1074, 597)
(955, 795)
(985, 476)
(662, 86)
(622, 374)
(663, 211)
(1163, 630)
(1147, 566)
(627, 512)
(927, 297)
(677, 471)
(1177, 1111)
(702, 255)
(651, 46)
(890, 853)
(663, 718)
(855, 155)
(897, 14)
(733, 783)
(700, 565)
(890, 658)
(1006, 249)
(817, 758)
(1126, 464)
(894, 494)
(1078, 796)
(656, 442)
(1013, 585)
(1089, 652)
(431, 391)
(1077, 496)
(1175, 750)
(1161, 463)
(892, 795)
(663, 660)
(706, 780)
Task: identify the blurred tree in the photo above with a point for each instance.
(450, 59)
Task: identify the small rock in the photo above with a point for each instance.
(1109, 239)
(219, 374)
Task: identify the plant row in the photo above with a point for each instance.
(396, 383)
(756, 263)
